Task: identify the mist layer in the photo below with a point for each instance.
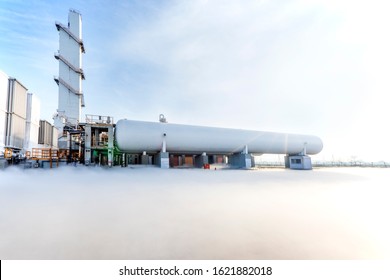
(149, 213)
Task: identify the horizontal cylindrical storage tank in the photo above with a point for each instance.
(138, 136)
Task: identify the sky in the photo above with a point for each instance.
(308, 67)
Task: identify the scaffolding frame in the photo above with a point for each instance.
(46, 154)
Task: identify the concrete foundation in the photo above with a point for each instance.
(162, 160)
(241, 160)
(201, 160)
(145, 159)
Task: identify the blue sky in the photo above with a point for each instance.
(315, 67)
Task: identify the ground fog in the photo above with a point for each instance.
(149, 213)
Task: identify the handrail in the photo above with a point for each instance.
(96, 119)
(63, 59)
(68, 86)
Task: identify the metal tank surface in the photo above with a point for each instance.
(138, 136)
(3, 107)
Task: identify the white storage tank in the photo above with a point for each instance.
(16, 114)
(15, 131)
(45, 138)
(54, 139)
(17, 98)
(32, 122)
(138, 136)
(3, 107)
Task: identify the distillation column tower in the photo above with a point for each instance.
(69, 56)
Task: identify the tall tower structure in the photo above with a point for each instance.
(71, 74)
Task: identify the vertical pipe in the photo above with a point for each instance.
(164, 147)
(50, 159)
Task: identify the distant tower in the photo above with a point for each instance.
(69, 56)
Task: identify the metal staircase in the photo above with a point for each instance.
(58, 80)
(70, 65)
(66, 29)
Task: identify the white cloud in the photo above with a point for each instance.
(293, 65)
(217, 53)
